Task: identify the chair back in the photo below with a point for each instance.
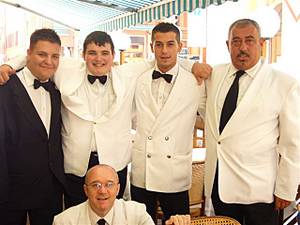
(196, 192)
(214, 220)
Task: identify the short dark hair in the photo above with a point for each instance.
(44, 34)
(243, 23)
(100, 38)
(164, 28)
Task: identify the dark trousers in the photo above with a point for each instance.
(246, 214)
(37, 216)
(171, 203)
(75, 193)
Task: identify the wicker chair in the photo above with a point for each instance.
(196, 193)
(214, 220)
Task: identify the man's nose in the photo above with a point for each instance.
(164, 48)
(102, 189)
(99, 57)
(243, 46)
(48, 60)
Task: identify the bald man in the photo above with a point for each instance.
(101, 188)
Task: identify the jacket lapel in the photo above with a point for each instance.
(26, 106)
(174, 97)
(251, 96)
(120, 215)
(68, 86)
(77, 106)
(55, 111)
(146, 93)
(83, 217)
(120, 92)
(214, 85)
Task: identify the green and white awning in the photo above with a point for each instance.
(157, 11)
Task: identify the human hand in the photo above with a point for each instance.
(281, 203)
(5, 72)
(179, 220)
(201, 71)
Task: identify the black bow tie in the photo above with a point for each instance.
(48, 86)
(102, 79)
(101, 222)
(157, 74)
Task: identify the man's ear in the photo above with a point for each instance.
(85, 189)
(82, 55)
(151, 44)
(180, 47)
(118, 188)
(262, 41)
(28, 51)
(227, 43)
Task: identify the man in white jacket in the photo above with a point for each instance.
(167, 98)
(102, 208)
(253, 143)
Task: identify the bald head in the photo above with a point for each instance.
(101, 169)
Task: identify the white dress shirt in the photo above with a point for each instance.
(244, 83)
(39, 97)
(100, 98)
(162, 89)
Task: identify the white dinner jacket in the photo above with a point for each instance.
(162, 151)
(112, 130)
(266, 122)
(125, 213)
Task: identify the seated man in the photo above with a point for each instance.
(101, 187)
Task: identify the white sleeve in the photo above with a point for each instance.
(186, 64)
(202, 101)
(68, 67)
(17, 62)
(288, 176)
(135, 69)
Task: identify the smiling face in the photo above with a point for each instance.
(98, 58)
(101, 198)
(43, 59)
(244, 45)
(165, 47)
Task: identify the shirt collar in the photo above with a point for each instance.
(94, 217)
(29, 77)
(173, 71)
(251, 72)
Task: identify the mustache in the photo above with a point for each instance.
(242, 53)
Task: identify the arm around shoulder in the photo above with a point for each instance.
(10, 68)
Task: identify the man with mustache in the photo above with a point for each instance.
(253, 132)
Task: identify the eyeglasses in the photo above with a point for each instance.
(97, 186)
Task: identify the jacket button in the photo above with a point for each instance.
(219, 142)
(148, 155)
(149, 137)
(167, 138)
(168, 156)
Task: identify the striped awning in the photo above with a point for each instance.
(157, 11)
